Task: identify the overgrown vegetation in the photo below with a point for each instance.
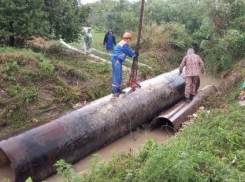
(159, 44)
(214, 28)
(39, 86)
(21, 20)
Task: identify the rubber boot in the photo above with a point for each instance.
(121, 92)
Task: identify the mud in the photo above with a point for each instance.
(209, 80)
(133, 141)
(6, 173)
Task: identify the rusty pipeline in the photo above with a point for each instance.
(78, 133)
(174, 116)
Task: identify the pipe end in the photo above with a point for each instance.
(162, 123)
(4, 160)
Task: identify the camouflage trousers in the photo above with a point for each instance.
(191, 85)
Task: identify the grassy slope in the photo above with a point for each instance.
(38, 86)
(210, 149)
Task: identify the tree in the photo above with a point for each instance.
(21, 19)
(120, 15)
(65, 18)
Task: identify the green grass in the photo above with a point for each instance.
(97, 42)
(205, 151)
(39, 86)
(98, 38)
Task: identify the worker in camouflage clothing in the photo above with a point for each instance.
(193, 64)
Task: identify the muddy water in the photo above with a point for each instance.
(6, 173)
(133, 141)
(209, 80)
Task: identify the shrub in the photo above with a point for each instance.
(221, 56)
(46, 69)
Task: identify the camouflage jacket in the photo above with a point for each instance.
(193, 64)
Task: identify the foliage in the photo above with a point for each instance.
(163, 45)
(216, 28)
(67, 171)
(207, 155)
(121, 16)
(65, 18)
(221, 57)
(121, 167)
(6, 180)
(29, 180)
(23, 19)
(46, 68)
(35, 86)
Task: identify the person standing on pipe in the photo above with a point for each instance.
(193, 63)
(109, 41)
(122, 50)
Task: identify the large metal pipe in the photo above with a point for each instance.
(83, 131)
(174, 116)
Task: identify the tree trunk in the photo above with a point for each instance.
(11, 41)
(11, 38)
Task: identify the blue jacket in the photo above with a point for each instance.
(106, 38)
(122, 50)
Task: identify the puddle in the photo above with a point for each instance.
(6, 173)
(133, 141)
(208, 80)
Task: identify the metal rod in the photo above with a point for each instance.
(134, 69)
(140, 25)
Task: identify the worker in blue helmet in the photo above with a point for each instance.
(122, 50)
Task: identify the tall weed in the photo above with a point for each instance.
(163, 46)
(46, 69)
